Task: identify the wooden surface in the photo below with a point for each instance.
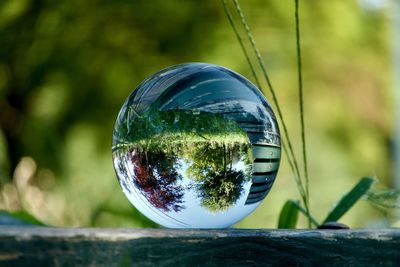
(42, 246)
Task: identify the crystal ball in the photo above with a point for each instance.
(196, 146)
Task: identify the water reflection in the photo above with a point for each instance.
(196, 145)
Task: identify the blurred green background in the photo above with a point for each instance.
(66, 67)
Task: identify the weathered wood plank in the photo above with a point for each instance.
(41, 246)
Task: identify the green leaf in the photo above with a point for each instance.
(349, 199)
(289, 214)
(22, 216)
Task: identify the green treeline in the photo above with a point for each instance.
(208, 144)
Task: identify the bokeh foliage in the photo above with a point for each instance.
(66, 67)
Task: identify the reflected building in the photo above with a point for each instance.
(265, 168)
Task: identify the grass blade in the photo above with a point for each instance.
(252, 67)
(289, 214)
(349, 199)
(305, 213)
(301, 103)
(240, 40)
(289, 150)
(270, 87)
(286, 142)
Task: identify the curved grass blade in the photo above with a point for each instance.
(305, 213)
(289, 215)
(240, 40)
(252, 67)
(349, 199)
(303, 192)
(301, 103)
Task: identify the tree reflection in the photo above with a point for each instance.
(155, 175)
(216, 153)
(219, 184)
(220, 191)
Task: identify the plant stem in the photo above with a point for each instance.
(303, 190)
(271, 89)
(299, 182)
(297, 179)
(231, 21)
(301, 101)
(230, 18)
(307, 214)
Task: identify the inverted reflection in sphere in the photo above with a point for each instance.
(196, 146)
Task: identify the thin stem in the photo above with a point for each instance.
(271, 89)
(311, 219)
(230, 18)
(296, 178)
(231, 21)
(299, 182)
(300, 77)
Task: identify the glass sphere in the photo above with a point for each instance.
(196, 146)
